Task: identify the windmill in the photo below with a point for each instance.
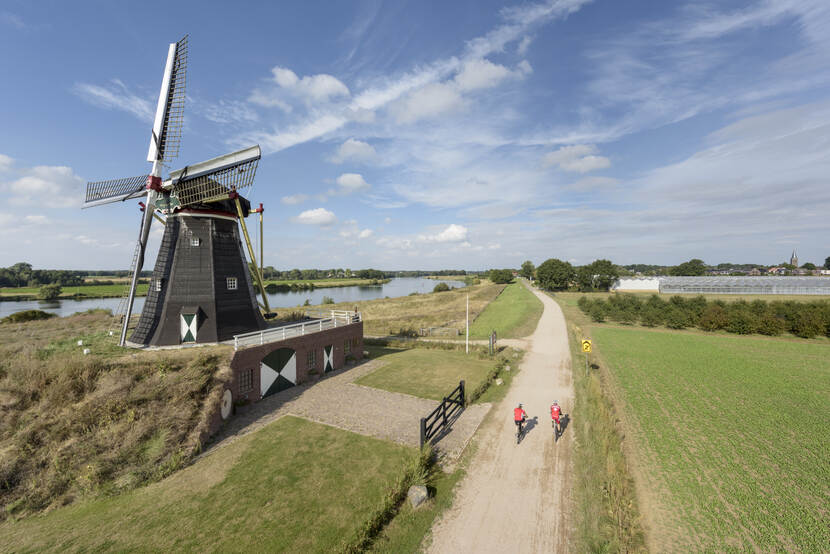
(201, 289)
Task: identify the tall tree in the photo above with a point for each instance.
(527, 270)
(554, 274)
(693, 267)
(827, 262)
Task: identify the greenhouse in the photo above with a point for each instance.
(746, 285)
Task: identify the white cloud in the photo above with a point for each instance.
(453, 233)
(294, 199)
(44, 186)
(321, 87)
(5, 162)
(266, 100)
(429, 101)
(115, 96)
(12, 19)
(36, 219)
(354, 150)
(479, 74)
(317, 216)
(229, 111)
(365, 233)
(580, 158)
(352, 182)
(387, 220)
(523, 45)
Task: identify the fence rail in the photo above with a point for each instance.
(328, 319)
(439, 418)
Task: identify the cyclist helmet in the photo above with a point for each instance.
(555, 403)
(520, 404)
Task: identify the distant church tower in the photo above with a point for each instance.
(794, 259)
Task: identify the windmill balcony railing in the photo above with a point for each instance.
(324, 320)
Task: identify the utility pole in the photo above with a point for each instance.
(468, 324)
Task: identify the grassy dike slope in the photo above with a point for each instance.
(293, 486)
(514, 314)
(735, 429)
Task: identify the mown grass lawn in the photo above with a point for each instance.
(514, 314)
(735, 429)
(426, 373)
(292, 486)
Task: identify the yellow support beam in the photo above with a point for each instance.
(251, 253)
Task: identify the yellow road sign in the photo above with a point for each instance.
(586, 345)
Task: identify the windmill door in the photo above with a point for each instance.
(278, 371)
(189, 323)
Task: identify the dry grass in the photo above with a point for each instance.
(387, 316)
(73, 425)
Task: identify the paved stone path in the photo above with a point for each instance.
(336, 400)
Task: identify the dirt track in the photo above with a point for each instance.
(517, 498)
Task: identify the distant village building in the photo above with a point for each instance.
(794, 259)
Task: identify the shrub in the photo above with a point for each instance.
(809, 323)
(583, 303)
(713, 318)
(410, 332)
(768, 324)
(327, 300)
(741, 320)
(651, 316)
(676, 317)
(441, 287)
(597, 311)
(27, 315)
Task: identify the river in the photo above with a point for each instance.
(401, 286)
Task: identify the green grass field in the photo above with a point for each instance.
(426, 373)
(91, 291)
(293, 486)
(734, 430)
(514, 314)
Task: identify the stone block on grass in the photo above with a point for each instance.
(417, 495)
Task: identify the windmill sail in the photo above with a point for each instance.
(114, 190)
(167, 128)
(214, 179)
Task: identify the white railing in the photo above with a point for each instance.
(327, 320)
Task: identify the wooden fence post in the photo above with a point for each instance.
(463, 394)
(423, 431)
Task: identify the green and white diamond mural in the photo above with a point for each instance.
(188, 327)
(278, 371)
(328, 358)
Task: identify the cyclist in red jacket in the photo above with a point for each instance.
(555, 413)
(519, 416)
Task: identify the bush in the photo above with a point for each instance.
(441, 287)
(409, 332)
(49, 292)
(500, 276)
(597, 311)
(741, 320)
(651, 316)
(584, 304)
(713, 318)
(809, 323)
(327, 300)
(27, 315)
(770, 325)
(676, 317)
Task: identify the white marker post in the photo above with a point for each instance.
(468, 324)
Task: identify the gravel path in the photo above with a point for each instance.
(516, 497)
(338, 401)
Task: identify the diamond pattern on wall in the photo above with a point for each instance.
(328, 358)
(188, 327)
(278, 371)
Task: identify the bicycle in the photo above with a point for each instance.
(519, 430)
(557, 430)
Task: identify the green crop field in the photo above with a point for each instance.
(292, 486)
(91, 291)
(514, 314)
(426, 373)
(733, 435)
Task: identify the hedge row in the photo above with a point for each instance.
(803, 319)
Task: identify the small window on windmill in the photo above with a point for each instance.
(157, 284)
(347, 346)
(195, 241)
(231, 281)
(311, 359)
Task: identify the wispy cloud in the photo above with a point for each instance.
(115, 96)
(40, 186)
(12, 20)
(354, 150)
(317, 216)
(581, 158)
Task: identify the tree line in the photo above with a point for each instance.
(23, 275)
(803, 319)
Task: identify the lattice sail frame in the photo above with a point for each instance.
(102, 192)
(171, 134)
(215, 179)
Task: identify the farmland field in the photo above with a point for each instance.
(732, 434)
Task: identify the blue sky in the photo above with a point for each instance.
(430, 135)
